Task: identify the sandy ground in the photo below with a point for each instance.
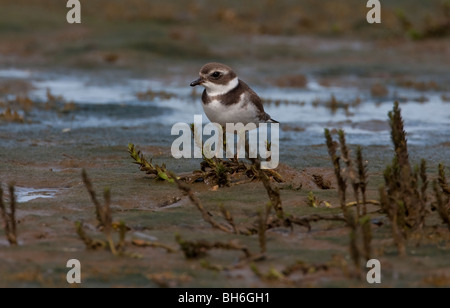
(44, 156)
(48, 239)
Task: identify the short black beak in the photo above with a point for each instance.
(197, 82)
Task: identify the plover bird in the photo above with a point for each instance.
(227, 99)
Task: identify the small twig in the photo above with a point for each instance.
(105, 213)
(353, 203)
(104, 218)
(442, 208)
(88, 241)
(350, 172)
(362, 172)
(331, 145)
(4, 214)
(354, 250)
(12, 215)
(90, 189)
(9, 219)
(159, 171)
(263, 217)
(206, 217)
(122, 233)
(317, 217)
(443, 180)
(229, 218)
(197, 249)
(392, 213)
(367, 236)
(142, 243)
(272, 191)
(423, 177)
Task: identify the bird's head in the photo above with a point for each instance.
(217, 78)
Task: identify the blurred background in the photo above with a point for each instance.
(315, 63)
(162, 35)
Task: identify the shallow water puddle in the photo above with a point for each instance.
(25, 194)
(14, 73)
(307, 110)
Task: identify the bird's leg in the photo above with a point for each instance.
(241, 142)
(268, 148)
(247, 148)
(223, 141)
(236, 155)
(254, 160)
(251, 144)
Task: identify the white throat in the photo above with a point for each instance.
(214, 89)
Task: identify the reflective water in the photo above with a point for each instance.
(25, 194)
(304, 116)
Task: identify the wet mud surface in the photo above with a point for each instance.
(123, 77)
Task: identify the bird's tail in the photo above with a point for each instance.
(272, 121)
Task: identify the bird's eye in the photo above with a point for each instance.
(216, 74)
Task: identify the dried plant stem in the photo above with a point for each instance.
(421, 195)
(111, 245)
(104, 218)
(103, 212)
(353, 203)
(206, 216)
(122, 233)
(318, 217)
(93, 196)
(5, 215)
(141, 243)
(398, 136)
(404, 186)
(263, 217)
(9, 219)
(229, 218)
(331, 145)
(272, 191)
(88, 241)
(197, 249)
(443, 207)
(159, 171)
(402, 198)
(359, 223)
(424, 179)
(392, 214)
(350, 172)
(443, 180)
(354, 249)
(367, 236)
(443, 204)
(362, 173)
(12, 215)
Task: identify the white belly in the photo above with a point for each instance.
(237, 113)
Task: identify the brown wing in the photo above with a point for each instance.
(256, 100)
